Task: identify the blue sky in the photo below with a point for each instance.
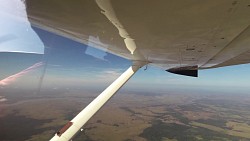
(16, 29)
(74, 65)
(232, 78)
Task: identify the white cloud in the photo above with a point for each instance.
(110, 74)
(2, 99)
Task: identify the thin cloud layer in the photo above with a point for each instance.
(109, 74)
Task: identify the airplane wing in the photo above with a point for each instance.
(171, 34)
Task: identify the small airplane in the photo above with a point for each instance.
(178, 36)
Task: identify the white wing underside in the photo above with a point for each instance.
(166, 33)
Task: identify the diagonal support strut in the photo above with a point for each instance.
(74, 126)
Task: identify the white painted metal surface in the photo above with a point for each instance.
(96, 104)
(167, 33)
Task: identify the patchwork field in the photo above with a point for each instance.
(129, 116)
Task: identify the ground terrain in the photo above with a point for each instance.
(129, 116)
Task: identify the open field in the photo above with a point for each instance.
(129, 116)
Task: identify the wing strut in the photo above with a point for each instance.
(75, 125)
